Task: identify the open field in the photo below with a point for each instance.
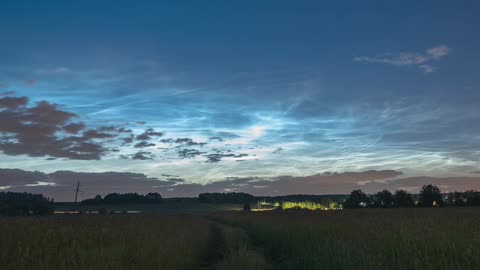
(123, 242)
(447, 238)
(168, 207)
(103, 242)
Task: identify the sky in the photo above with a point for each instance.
(266, 97)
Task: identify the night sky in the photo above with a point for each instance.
(265, 97)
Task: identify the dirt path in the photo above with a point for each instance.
(230, 248)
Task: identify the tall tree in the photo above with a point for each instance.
(382, 199)
(430, 196)
(403, 199)
(357, 199)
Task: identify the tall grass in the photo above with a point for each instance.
(366, 239)
(349, 239)
(103, 242)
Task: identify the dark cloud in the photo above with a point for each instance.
(128, 140)
(13, 102)
(333, 183)
(176, 180)
(217, 157)
(143, 155)
(143, 144)
(114, 129)
(17, 177)
(278, 150)
(148, 134)
(37, 131)
(188, 142)
(124, 130)
(169, 175)
(414, 184)
(189, 153)
(74, 128)
(216, 139)
(62, 184)
(96, 134)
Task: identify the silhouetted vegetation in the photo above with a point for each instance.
(383, 199)
(328, 201)
(357, 199)
(233, 197)
(24, 204)
(303, 198)
(467, 198)
(116, 198)
(403, 199)
(430, 196)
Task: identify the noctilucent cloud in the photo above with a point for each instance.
(209, 91)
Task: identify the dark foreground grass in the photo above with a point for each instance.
(103, 242)
(349, 239)
(366, 239)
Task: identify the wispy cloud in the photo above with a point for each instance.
(422, 61)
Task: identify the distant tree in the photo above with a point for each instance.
(430, 196)
(153, 197)
(357, 199)
(233, 197)
(246, 207)
(116, 198)
(24, 204)
(326, 202)
(403, 199)
(450, 199)
(95, 201)
(473, 198)
(382, 199)
(455, 199)
(333, 205)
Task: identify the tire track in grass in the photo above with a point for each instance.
(230, 248)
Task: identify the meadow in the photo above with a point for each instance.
(446, 238)
(103, 242)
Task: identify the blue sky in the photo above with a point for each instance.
(247, 89)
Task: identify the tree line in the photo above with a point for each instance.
(232, 197)
(24, 204)
(430, 196)
(240, 197)
(117, 198)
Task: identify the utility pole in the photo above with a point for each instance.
(76, 195)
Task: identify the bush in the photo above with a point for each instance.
(24, 204)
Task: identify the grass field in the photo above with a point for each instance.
(346, 239)
(103, 242)
(366, 239)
